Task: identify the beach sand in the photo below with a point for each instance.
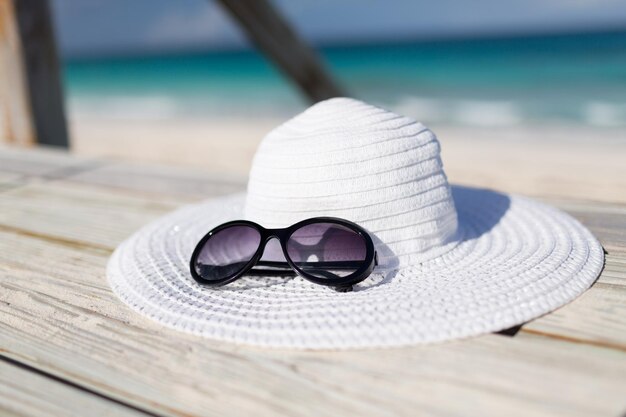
(562, 161)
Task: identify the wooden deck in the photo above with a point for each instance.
(69, 347)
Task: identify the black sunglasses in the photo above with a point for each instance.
(324, 250)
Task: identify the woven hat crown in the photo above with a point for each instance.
(348, 159)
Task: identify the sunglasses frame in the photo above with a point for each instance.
(341, 284)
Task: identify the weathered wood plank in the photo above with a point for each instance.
(47, 206)
(8, 181)
(49, 211)
(153, 180)
(85, 215)
(72, 212)
(42, 162)
(142, 178)
(58, 314)
(61, 316)
(24, 393)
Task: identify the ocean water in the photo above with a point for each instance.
(572, 79)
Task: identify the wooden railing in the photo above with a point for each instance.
(31, 93)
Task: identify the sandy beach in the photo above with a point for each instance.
(564, 161)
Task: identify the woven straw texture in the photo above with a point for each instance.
(454, 261)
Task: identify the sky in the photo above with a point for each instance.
(104, 27)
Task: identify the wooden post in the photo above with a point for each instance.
(275, 38)
(33, 99)
(16, 122)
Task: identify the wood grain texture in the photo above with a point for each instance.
(62, 317)
(26, 393)
(42, 163)
(58, 314)
(147, 179)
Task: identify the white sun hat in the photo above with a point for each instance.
(453, 261)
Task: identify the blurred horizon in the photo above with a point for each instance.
(151, 52)
(479, 64)
(119, 28)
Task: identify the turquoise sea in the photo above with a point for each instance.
(573, 78)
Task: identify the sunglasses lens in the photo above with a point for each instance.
(227, 252)
(327, 250)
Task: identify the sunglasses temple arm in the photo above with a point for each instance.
(274, 268)
(308, 265)
(284, 269)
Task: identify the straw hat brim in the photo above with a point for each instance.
(516, 259)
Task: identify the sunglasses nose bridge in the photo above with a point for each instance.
(269, 237)
(272, 247)
(278, 234)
